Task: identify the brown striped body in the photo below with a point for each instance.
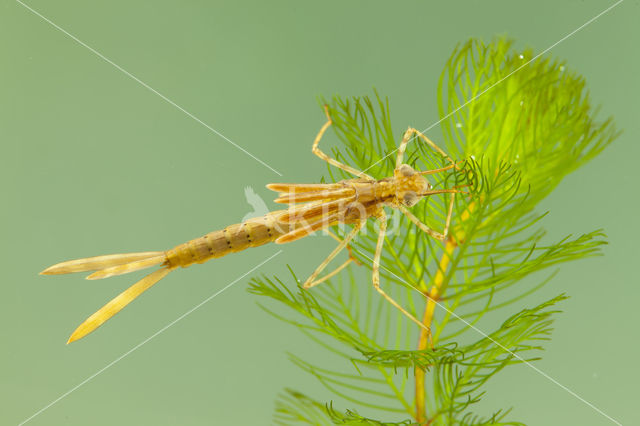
(234, 238)
(312, 207)
(353, 200)
(350, 201)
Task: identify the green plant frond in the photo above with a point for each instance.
(364, 127)
(305, 304)
(540, 118)
(355, 332)
(458, 383)
(350, 417)
(365, 391)
(399, 359)
(471, 419)
(295, 407)
(528, 324)
(507, 268)
(514, 144)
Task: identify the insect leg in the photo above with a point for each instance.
(376, 275)
(344, 243)
(402, 147)
(341, 267)
(407, 137)
(433, 171)
(328, 159)
(351, 256)
(330, 274)
(435, 234)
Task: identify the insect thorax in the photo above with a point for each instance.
(410, 186)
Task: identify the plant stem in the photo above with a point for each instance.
(423, 341)
(436, 291)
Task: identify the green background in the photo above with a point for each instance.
(93, 163)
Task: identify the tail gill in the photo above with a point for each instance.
(108, 266)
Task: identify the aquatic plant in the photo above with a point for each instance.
(519, 129)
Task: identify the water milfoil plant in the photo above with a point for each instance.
(517, 141)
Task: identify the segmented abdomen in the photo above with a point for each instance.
(252, 233)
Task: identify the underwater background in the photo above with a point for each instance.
(93, 162)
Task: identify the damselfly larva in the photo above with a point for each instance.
(317, 206)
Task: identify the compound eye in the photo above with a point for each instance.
(406, 170)
(410, 199)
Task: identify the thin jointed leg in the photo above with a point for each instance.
(328, 159)
(435, 234)
(376, 275)
(341, 267)
(330, 274)
(351, 256)
(344, 243)
(407, 137)
(402, 147)
(433, 171)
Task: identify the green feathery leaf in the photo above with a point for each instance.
(517, 133)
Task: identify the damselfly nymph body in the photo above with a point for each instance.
(312, 207)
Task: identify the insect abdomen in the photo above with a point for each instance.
(252, 233)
